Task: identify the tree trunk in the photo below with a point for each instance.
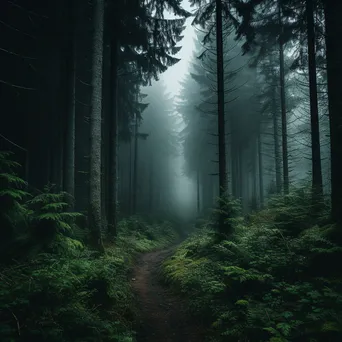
(57, 145)
(198, 191)
(233, 153)
(105, 133)
(240, 173)
(95, 127)
(113, 140)
(130, 194)
(260, 166)
(277, 157)
(254, 178)
(69, 152)
(135, 167)
(283, 105)
(151, 186)
(317, 182)
(220, 107)
(333, 34)
(83, 94)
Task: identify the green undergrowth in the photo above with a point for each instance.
(76, 296)
(276, 279)
(147, 236)
(52, 287)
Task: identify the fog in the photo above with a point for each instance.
(171, 155)
(254, 144)
(184, 187)
(170, 173)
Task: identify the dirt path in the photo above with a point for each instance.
(163, 317)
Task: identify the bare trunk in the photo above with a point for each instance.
(151, 185)
(135, 167)
(83, 94)
(277, 157)
(333, 26)
(69, 152)
(317, 182)
(95, 128)
(234, 166)
(283, 105)
(254, 178)
(198, 191)
(240, 174)
(130, 195)
(220, 107)
(260, 166)
(113, 140)
(105, 127)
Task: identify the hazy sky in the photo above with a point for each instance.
(174, 74)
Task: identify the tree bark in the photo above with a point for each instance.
(113, 140)
(69, 152)
(254, 177)
(333, 34)
(135, 168)
(221, 119)
(151, 185)
(277, 157)
(317, 182)
(283, 104)
(130, 194)
(95, 127)
(198, 191)
(260, 166)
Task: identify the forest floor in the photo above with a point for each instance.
(163, 316)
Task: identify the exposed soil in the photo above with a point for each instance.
(163, 316)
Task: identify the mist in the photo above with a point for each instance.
(170, 171)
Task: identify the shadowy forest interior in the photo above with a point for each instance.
(171, 171)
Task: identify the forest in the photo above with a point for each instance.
(170, 171)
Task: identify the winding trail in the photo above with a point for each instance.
(163, 316)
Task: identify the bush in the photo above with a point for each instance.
(277, 279)
(76, 296)
(61, 299)
(52, 287)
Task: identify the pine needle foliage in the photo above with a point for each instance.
(277, 278)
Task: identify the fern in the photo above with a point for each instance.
(12, 195)
(58, 290)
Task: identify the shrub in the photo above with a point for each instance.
(276, 279)
(52, 287)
